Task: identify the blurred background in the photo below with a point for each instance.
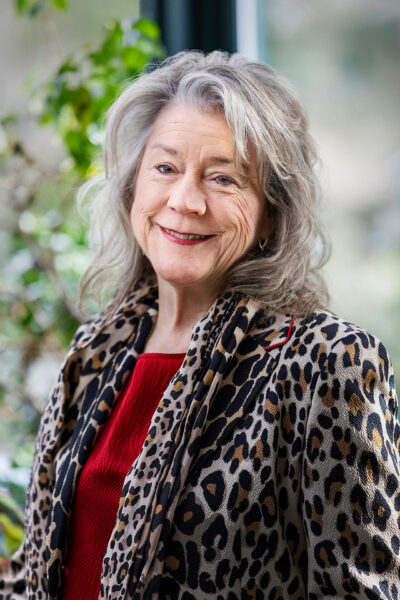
(62, 62)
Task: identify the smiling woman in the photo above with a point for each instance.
(278, 151)
(215, 432)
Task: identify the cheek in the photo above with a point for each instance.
(137, 220)
(247, 216)
(133, 215)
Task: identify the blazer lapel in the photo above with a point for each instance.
(244, 376)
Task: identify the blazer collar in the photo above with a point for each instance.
(272, 331)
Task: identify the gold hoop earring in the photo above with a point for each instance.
(262, 243)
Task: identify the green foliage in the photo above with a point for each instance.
(11, 534)
(77, 97)
(44, 242)
(32, 8)
(12, 502)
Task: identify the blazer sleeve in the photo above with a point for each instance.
(350, 480)
(13, 582)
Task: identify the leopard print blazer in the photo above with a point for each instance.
(270, 469)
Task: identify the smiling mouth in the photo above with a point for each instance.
(185, 236)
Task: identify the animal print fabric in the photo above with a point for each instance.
(270, 468)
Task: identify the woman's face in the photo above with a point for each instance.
(193, 215)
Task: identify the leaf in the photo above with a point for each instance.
(150, 47)
(111, 45)
(81, 103)
(10, 117)
(33, 7)
(68, 66)
(134, 58)
(45, 119)
(14, 534)
(30, 7)
(61, 4)
(9, 507)
(148, 28)
(80, 148)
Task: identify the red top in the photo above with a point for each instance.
(99, 487)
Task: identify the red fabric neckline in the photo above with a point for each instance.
(162, 355)
(99, 487)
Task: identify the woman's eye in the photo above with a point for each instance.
(224, 180)
(165, 169)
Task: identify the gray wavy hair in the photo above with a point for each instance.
(267, 120)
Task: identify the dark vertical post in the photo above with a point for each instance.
(194, 24)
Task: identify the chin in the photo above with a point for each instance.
(180, 282)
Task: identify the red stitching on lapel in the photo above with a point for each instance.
(284, 341)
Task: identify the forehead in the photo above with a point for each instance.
(188, 123)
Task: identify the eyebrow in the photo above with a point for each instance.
(221, 160)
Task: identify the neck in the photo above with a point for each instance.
(179, 310)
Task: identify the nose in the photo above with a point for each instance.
(187, 196)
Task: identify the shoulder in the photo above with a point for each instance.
(324, 333)
(326, 346)
(355, 379)
(342, 352)
(325, 327)
(320, 331)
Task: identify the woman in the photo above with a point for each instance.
(215, 432)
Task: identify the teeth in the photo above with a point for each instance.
(185, 236)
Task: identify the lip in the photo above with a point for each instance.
(182, 241)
